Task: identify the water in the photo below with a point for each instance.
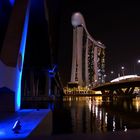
(95, 115)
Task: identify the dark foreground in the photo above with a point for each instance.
(130, 135)
(87, 118)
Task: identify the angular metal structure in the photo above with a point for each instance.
(12, 57)
(88, 59)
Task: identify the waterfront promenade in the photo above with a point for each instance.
(33, 123)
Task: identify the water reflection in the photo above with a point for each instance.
(136, 103)
(99, 115)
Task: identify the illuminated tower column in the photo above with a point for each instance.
(74, 57)
(77, 55)
(12, 57)
(79, 43)
(86, 63)
(95, 64)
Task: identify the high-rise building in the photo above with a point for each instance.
(88, 58)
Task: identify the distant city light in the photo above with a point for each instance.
(99, 42)
(112, 72)
(95, 80)
(138, 61)
(122, 67)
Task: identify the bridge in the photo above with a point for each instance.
(119, 87)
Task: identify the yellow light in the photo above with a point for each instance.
(98, 92)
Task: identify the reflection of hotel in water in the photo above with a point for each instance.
(93, 117)
(89, 118)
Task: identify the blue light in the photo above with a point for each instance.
(51, 106)
(54, 68)
(22, 51)
(12, 2)
(17, 127)
(52, 72)
(34, 119)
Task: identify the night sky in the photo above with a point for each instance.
(116, 24)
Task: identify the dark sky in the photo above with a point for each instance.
(115, 23)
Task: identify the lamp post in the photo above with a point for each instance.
(111, 75)
(112, 72)
(122, 68)
(105, 77)
(138, 62)
(51, 74)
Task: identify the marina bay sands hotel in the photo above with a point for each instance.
(88, 60)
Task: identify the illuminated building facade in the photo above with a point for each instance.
(88, 60)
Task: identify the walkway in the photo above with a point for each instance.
(30, 121)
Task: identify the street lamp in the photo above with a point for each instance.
(51, 74)
(112, 72)
(104, 77)
(112, 75)
(122, 68)
(138, 62)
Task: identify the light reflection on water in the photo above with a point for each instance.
(136, 103)
(97, 115)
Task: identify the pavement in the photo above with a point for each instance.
(30, 121)
(38, 125)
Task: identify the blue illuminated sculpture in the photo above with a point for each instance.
(17, 127)
(51, 73)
